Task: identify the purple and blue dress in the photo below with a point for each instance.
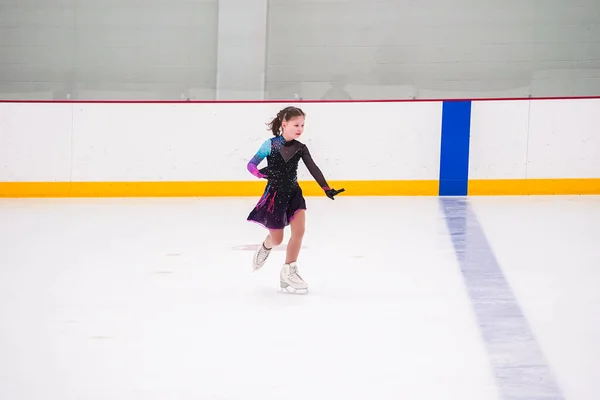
(282, 197)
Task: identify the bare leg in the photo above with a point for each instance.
(295, 243)
(289, 278)
(274, 238)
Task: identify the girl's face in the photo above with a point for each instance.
(293, 128)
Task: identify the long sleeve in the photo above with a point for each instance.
(314, 169)
(261, 154)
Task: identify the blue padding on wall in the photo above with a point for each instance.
(454, 157)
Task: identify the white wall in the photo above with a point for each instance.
(433, 49)
(115, 49)
(241, 55)
(254, 49)
(350, 141)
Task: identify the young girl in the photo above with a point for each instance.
(282, 202)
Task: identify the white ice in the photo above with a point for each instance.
(118, 299)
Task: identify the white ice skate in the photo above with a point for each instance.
(260, 257)
(290, 281)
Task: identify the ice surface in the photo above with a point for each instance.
(156, 299)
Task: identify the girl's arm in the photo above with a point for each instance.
(261, 154)
(314, 169)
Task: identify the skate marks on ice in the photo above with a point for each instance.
(170, 263)
(517, 360)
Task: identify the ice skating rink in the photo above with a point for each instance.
(410, 298)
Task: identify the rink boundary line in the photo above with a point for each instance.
(209, 188)
(517, 360)
(477, 187)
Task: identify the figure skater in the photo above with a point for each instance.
(282, 202)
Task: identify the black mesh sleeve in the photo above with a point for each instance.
(314, 169)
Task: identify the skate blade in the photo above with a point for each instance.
(291, 290)
(256, 267)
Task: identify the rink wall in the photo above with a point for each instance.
(434, 147)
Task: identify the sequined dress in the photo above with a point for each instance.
(282, 197)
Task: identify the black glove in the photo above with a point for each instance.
(331, 193)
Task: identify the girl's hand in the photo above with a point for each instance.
(331, 193)
(264, 172)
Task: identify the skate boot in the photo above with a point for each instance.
(260, 257)
(290, 281)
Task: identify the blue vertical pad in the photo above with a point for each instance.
(454, 157)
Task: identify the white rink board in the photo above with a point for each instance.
(564, 139)
(214, 142)
(375, 141)
(535, 139)
(350, 141)
(498, 145)
(35, 142)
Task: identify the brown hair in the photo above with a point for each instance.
(284, 115)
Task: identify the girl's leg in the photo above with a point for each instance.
(289, 278)
(297, 224)
(274, 238)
